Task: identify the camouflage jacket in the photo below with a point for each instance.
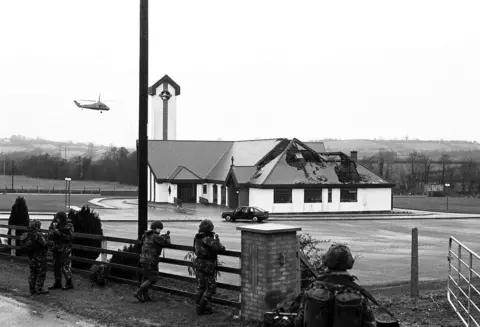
(341, 278)
(35, 242)
(61, 235)
(207, 248)
(152, 245)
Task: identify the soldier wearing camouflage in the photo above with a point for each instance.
(207, 247)
(35, 243)
(336, 261)
(60, 236)
(152, 245)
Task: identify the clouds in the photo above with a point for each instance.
(308, 69)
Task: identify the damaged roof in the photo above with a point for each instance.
(257, 163)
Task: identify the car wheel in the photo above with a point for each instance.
(255, 219)
(228, 218)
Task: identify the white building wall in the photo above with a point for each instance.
(368, 199)
(161, 194)
(199, 192)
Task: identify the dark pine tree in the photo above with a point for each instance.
(18, 217)
(129, 260)
(88, 222)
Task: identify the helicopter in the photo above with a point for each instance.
(98, 105)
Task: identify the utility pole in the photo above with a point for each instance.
(13, 164)
(143, 122)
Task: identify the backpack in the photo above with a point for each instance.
(333, 305)
(99, 275)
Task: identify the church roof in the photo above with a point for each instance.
(257, 163)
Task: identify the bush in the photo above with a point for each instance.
(18, 216)
(127, 261)
(88, 222)
(314, 252)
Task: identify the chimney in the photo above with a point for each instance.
(353, 155)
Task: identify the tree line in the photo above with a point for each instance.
(412, 173)
(115, 165)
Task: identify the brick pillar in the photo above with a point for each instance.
(270, 268)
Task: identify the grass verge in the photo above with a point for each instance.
(45, 202)
(114, 305)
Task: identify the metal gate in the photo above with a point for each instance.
(461, 291)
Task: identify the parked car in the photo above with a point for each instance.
(251, 213)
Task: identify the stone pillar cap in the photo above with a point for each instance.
(269, 228)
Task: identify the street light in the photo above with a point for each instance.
(446, 191)
(68, 180)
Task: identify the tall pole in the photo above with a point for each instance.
(143, 122)
(13, 163)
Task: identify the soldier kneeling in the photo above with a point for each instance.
(334, 299)
(35, 243)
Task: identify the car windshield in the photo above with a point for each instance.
(258, 209)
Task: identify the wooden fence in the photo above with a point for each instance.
(103, 260)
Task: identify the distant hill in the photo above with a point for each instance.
(367, 148)
(19, 143)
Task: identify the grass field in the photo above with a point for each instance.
(33, 183)
(44, 202)
(437, 204)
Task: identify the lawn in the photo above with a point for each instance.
(438, 204)
(45, 202)
(32, 183)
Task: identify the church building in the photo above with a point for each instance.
(279, 175)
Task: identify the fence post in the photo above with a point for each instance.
(13, 242)
(103, 256)
(269, 265)
(414, 265)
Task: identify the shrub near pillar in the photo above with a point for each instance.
(270, 268)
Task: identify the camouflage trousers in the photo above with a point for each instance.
(62, 265)
(150, 272)
(206, 284)
(38, 272)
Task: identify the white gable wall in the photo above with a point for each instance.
(368, 199)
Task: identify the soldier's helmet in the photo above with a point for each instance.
(156, 224)
(35, 224)
(206, 226)
(61, 216)
(338, 257)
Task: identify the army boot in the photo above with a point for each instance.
(40, 290)
(198, 297)
(68, 285)
(146, 296)
(139, 295)
(57, 285)
(202, 307)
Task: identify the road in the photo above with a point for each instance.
(383, 246)
(18, 314)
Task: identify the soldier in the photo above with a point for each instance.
(335, 291)
(36, 244)
(152, 245)
(207, 247)
(61, 235)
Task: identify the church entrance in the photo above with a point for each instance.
(187, 192)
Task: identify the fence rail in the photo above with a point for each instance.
(103, 260)
(456, 291)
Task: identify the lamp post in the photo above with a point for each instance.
(142, 122)
(446, 191)
(68, 180)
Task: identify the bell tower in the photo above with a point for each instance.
(163, 109)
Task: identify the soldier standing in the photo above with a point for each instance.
(207, 247)
(36, 244)
(61, 235)
(152, 245)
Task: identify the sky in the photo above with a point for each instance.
(249, 69)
